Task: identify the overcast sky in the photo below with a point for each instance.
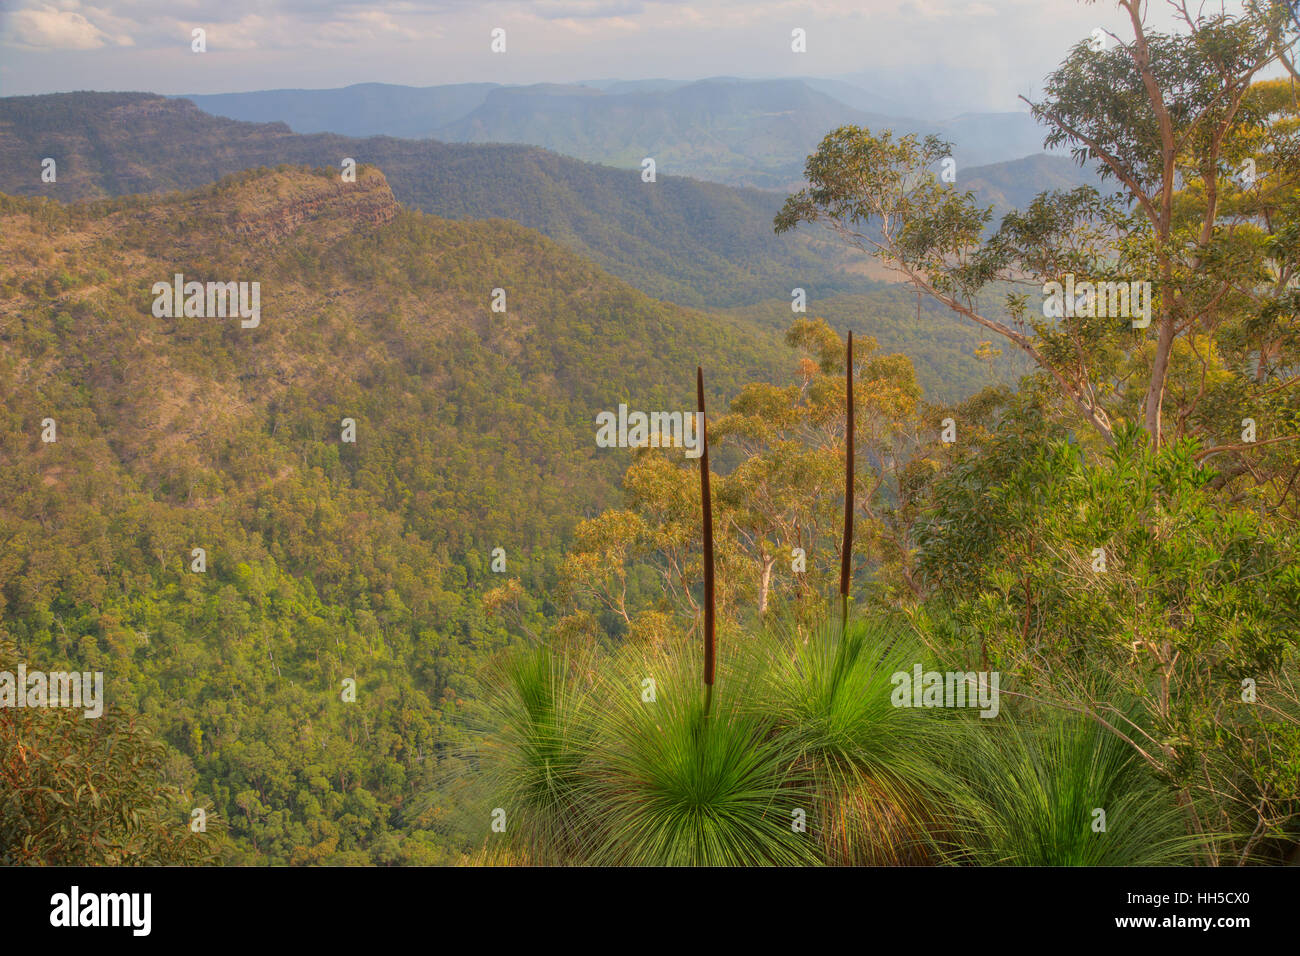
(986, 51)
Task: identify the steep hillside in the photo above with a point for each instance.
(324, 559)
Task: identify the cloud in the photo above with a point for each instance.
(967, 54)
(586, 9)
(231, 25)
(48, 27)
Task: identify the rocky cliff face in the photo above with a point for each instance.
(258, 209)
(329, 206)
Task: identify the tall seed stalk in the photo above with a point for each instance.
(846, 555)
(708, 545)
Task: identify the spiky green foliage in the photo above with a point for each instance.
(872, 764)
(614, 761)
(675, 786)
(591, 763)
(535, 764)
(1033, 789)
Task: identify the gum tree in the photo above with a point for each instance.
(637, 569)
(1203, 160)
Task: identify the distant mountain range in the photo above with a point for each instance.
(739, 132)
(691, 242)
(680, 239)
(366, 109)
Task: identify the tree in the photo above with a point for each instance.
(77, 792)
(1129, 592)
(1171, 120)
(787, 443)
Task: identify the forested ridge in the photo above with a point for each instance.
(692, 242)
(324, 560)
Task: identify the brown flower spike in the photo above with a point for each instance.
(706, 499)
(846, 554)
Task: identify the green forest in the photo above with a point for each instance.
(325, 560)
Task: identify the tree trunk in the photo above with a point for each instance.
(1159, 372)
(765, 583)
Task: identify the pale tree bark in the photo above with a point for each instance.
(765, 582)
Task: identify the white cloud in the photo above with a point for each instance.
(48, 27)
(586, 9)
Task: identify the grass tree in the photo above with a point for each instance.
(678, 786)
(1054, 789)
(874, 769)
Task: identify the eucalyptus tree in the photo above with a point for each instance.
(780, 448)
(1183, 316)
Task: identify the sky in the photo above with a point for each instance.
(975, 54)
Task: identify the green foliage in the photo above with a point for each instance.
(783, 446)
(611, 760)
(1035, 787)
(538, 769)
(805, 759)
(876, 778)
(1085, 579)
(1136, 569)
(77, 791)
(677, 787)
